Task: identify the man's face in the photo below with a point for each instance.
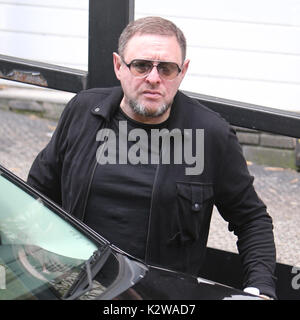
(152, 93)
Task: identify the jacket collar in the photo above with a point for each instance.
(107, 107)
(179, 117)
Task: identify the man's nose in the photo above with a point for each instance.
(153, 76)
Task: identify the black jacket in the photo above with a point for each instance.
(181, 204)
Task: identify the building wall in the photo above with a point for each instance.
(52, 31)
(242, 50)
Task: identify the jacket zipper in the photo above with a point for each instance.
(151, 207)
(88, 191)
(91, 180)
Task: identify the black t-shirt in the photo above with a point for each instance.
(120, 196)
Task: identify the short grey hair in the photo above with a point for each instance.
(152, 25)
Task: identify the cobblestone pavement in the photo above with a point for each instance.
(23, 136)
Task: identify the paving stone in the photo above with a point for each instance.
(276, 141)
(28, 106)
(248, 138)
(270, 156)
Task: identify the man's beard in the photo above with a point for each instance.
(145, 112)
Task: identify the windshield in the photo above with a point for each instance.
(41, 254)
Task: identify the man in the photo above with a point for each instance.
(111, 163)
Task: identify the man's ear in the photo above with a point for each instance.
(117, 64)
(185, 67)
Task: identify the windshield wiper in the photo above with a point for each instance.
(84, 281)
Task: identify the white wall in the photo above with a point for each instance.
(53, 31)
(242, 50)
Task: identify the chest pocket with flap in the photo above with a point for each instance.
(194, 201)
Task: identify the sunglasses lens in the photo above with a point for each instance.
(167, 70)
(140, 67)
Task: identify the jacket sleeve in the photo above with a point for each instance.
(45, 172)
(239, 204)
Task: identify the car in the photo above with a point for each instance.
(47, 254)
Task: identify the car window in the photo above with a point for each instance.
(41, 253)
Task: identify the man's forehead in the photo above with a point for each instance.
(153, 43)
(142, 36)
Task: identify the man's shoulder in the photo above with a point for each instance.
(201, 114)
(94, 93)
(92, 98)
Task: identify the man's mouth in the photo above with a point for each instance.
(153, 94)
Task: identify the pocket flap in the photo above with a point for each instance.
(194, 207)
(196, 193)
(184, 190)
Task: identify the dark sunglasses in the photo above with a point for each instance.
(141, 68)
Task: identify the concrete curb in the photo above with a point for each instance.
(44, 102)
(267, 148)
